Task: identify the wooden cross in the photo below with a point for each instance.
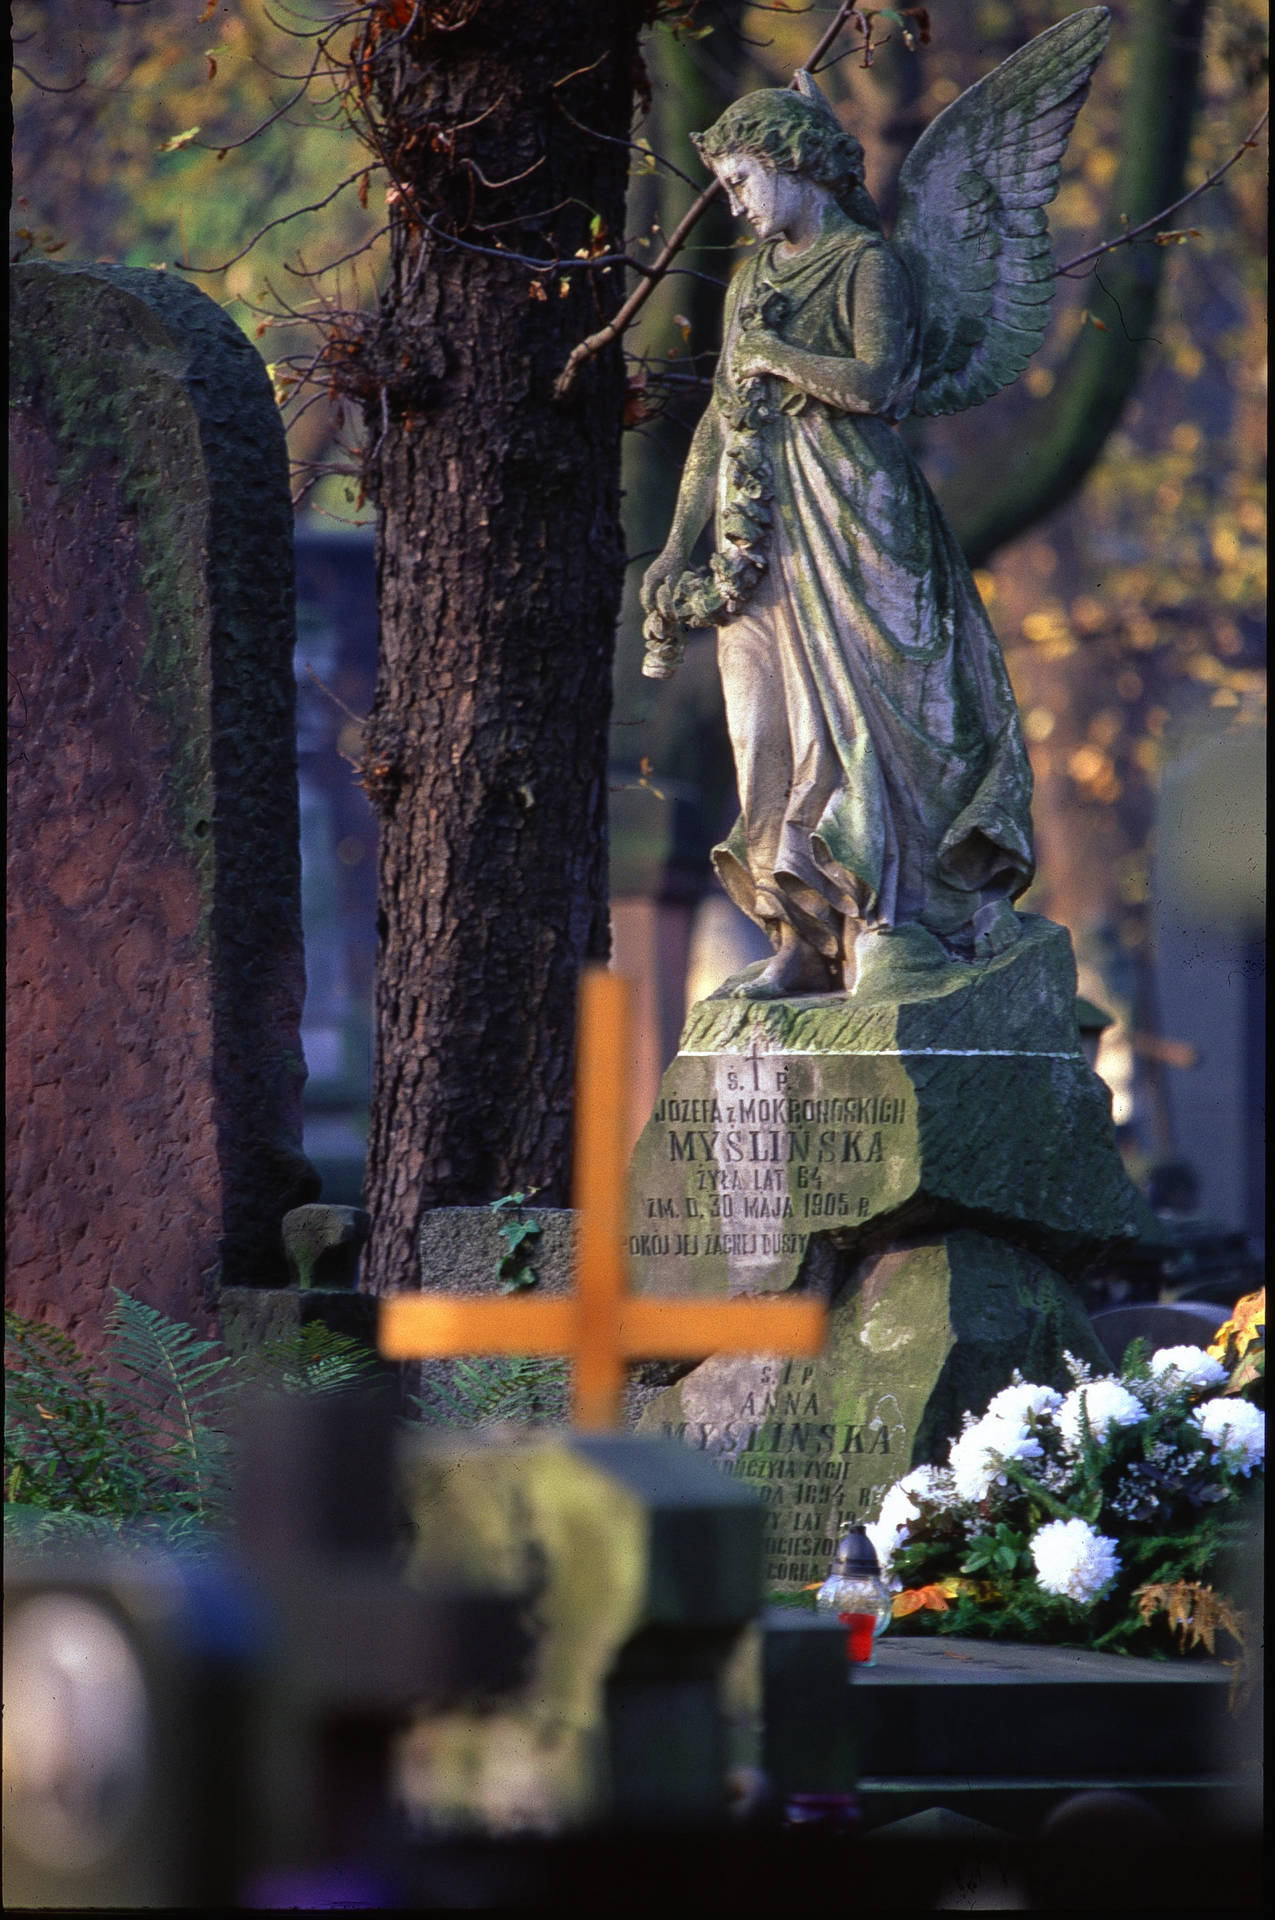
(601, 1325)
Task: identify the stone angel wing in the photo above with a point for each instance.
(971, 223)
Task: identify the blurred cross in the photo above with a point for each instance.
(601, 1325)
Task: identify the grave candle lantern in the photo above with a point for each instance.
(856, 1593)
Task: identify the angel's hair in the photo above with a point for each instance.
(793, 134)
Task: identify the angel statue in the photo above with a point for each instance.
(884, 787)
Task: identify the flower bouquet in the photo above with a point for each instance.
(1096, 1517)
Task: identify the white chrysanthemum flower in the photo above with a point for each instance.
(1021, 1402)
(1074, 1561)
(976, 1457)
(928, 1483)
(1107, 1404)
(901, 1506)
(1236, 1429)
(1186, 1367)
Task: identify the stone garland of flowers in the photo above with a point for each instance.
(709, 596)
(1080, 1517)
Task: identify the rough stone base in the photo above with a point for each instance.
(917, 1335)
(251, 1316)
(964, 1100)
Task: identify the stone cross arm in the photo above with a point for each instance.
(601, 1325)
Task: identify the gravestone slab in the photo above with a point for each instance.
(918, 1333)
(1007, 1732)
(461, 1250)
(155, 964)
(957, 1094)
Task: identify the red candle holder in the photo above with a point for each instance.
(861, 1637)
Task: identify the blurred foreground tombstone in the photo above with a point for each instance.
(217, 1732)
(641, 1694)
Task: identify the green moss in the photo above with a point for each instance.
(116, 413)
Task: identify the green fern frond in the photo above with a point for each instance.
(65, 1444)
(176, 1393)
(313, 1359)
(482, 1391)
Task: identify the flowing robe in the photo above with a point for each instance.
(880, 761)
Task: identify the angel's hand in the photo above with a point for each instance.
(759, 352)
(662, 572)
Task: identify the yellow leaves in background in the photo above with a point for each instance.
(1094, 773)
(1047, 627)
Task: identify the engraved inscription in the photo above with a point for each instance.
(745, 1157)
(815, 1471)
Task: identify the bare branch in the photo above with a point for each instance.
(636, 146)
(314, 273)
(495, 185)
(315, 207)
(46, 86)
(629, 310)
(1165, 213)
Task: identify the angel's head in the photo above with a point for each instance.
(793, 135)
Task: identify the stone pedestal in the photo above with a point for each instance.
(934, 1155)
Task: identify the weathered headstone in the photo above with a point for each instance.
(934, 1157)
(155, 961)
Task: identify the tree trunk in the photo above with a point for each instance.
(499, 564)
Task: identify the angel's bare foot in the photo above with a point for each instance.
(996, 927)
(795, 969)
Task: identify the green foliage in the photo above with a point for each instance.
(314, 1359)
(174, 1387)
(1000, 1552)
(66, 1440)
(482, 1392)
(136, 1448)
(520, 1235)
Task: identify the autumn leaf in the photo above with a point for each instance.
(1196, 1612)
(1246, 1327)
(207, 13)
(635, 406)
(918, 1599)
(178, 140)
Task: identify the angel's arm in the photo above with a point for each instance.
(697, 494)
(882, 338)
(696, 498)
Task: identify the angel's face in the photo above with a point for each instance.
(771, 202)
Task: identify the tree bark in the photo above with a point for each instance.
(499, 563)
